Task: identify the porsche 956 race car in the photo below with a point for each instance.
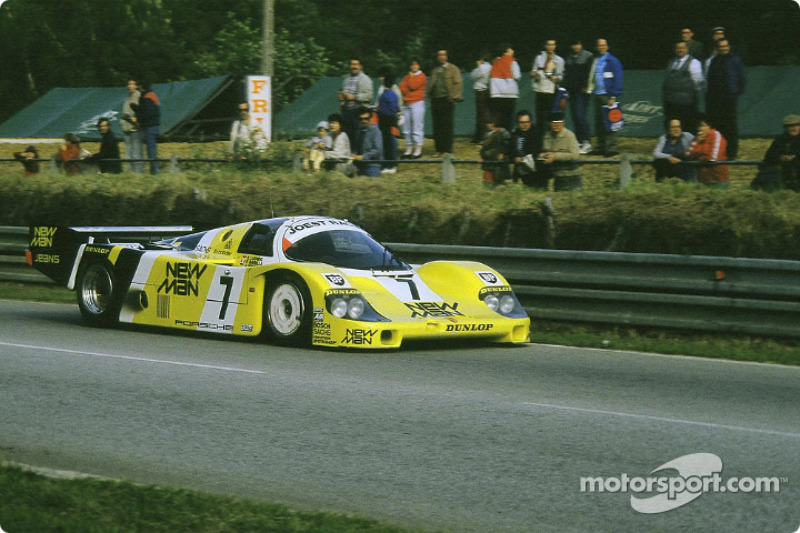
(300, 281)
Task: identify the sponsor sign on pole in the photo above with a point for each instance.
(259, 96)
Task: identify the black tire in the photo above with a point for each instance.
(287, 311)
(97, 297)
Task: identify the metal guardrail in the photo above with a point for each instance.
(701, 293)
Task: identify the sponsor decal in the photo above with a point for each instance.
(250, 260)
(469, 327)
(359, 336)
(43, 236)
(489, 277)
(319, 317)
(203, 325)
(487, 290)
(183, 279)
(47, 258)
(311, 224)
(335, 279)
(433, 309)
(341, 292)
(96, 250)
(247, 327)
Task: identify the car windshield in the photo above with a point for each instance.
(345, 249)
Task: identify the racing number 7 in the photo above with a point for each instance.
(228, 282)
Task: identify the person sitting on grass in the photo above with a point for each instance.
(709, 145)
(317, 147)
(69, 153)
(28, 159)
(494, 154)
(670, 152)
(560, 151)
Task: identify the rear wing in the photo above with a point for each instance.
(55, 250)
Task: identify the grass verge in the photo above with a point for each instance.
(734, 347)
(37, 504)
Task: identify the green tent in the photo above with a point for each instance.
(185, 105)
(769, 96)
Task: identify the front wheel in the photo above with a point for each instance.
(287, 311)
(96, 296)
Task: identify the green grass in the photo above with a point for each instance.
(666, 341)
(33, 503)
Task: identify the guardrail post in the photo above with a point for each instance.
(549, 224)
(297, 162)
(448, 169)
(54, 166)
(174, 164)
(625, 171)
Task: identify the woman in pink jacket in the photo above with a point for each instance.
(412, 87)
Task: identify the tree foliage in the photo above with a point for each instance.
(101, 42)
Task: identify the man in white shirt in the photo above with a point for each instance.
(248, 140)
(682, 87)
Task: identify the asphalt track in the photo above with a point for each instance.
(466, 438)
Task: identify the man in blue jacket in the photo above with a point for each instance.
(725, 81)
(368, 145)
(605, 85)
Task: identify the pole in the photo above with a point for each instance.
(267, 54)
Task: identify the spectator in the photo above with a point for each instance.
(717, 34)
(709, 145)
(725, 82)
(317, 146)
(28, 159)
(681, 87)
(131, 128)
(368, 145)
(248, 141)
(605, 85)
(526, 143)
(388, 108)
(338, 157)
(503, 87)
(148, 115)
(576, 80)
(356, 92)
(107, 158)
(444, 91)
(69, 153)
(695, 47)
(412, 87)
(546, 74)
(559, 155)
(670, 152)
(783, 158)
(480, 76)
(494, 153)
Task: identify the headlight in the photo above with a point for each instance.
(492, 301)
(506, 304)
(339, 308)
(350, 304)
(355, 308)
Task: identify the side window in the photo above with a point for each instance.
(257, 241)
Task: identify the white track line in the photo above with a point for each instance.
(131, 358)
(660, 419)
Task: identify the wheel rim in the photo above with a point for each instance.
(96, 290)
(286, 309)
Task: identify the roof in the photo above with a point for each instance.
(77, 109)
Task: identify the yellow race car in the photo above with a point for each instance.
(300, 281)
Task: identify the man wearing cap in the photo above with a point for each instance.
(785, 152)
(576, 80)
(559, 156)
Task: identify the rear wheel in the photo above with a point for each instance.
(287, 311)
(96, 296)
